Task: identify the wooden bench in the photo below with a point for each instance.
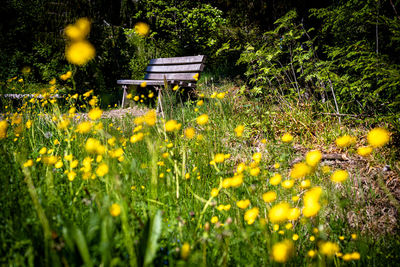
(181, 71)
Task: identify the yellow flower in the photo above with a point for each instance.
(257, 157)
(269, 196)
(288, 184)
(237, 180)
(326, 169)
(143, 84)
(243, 204)
(214, 192)
(196, 77)
(295, 237)
(176, 87)
(58, 165)
(172, 125)
(277, 165)
(28, 163)
(364, 151)
(185, 250)
(219, 158)
(345, 141)
(43, 151)
(150, 118)
(95, 114)
(339, 176)
(293, 214)
(239, 130)
(136, 98)
(240, 168)
(214, 219)
(84, 127)
(279, 212)
(136, 138)
(287, 138)
(150, 95)
(221, 95)
(202, 119)
(142, 28)
(255, 171)
(102, 169)
(200, 103)
(329, 248)
(66, 76)
(63, 124)
(28, 124)
(299, 170)
(251, 215)
(3, 129)
(71, 175)
(79, 30)
(378, 137)
(79, 53)
(282, 251)
(190, 132)
(311, 204)
(115, 210)
(276, 179)
(313, 158)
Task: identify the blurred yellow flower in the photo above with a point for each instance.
(251, 215)
(102, 169)
(313, 157)
(115, 210)
(378, 137)
(255, 171)
(293, 214)
(95, 114)
(243, 204)
(288, 183)
(257, 157)
(282, 251)
(345, 141)
(236, 180)
(142, 28)
(311, 202)
(241, 167)
(150, 118)
(28, 163)
(202, 119)
(214, 219)
(84, 127)
(172, 125)
(279, 212)
(80, 53)
(221, 95)
(287, 138)
(219, 158)
(143, 84)
(3, 129)
(71, 175)
(176, 87)
(185, 250)
(214, 192)
(269, 196)
(339, 176)
(329, 248)
(276, 179)
(190, 132)
(196, 76)
(364, 151)
(136, 138)
(299, 170)
(239, 130)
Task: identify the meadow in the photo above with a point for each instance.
(218, 179)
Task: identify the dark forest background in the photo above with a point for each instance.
(344, 54)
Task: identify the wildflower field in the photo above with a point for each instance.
(216, 180)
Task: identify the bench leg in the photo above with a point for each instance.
(123, 96)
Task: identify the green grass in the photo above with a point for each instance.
(48, 220)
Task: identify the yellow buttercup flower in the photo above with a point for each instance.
(345, 141)
(115, 210)
(239, 130)
(329, 248)
(71, 175)
(196, 76)
(190, 132)
(172, 125)
(3, 129)
(257, 157)
(221, 95)
(299, 170)
(214, 192)
(240, 168)
(236, 180)
(84, 127)
(282, 251)
(214, 219)
(364, 151)
(142, 28)
(313, 158)
(276, 179)
(185, 250)
(339, 176)
(102, 169)
(279, 212)
(287, 138)
(293, 214)
(378, 137)
(269, 196)
(202, 119)
(311, 202)
(95, 114)
(255, 171)
(251, 215)
(136, 138)
(28, 163)
(150, 118)
(80, 53)
(143, 84)
(219, 158)
(243, 204)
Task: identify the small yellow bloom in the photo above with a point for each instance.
(288, 184)
(214, 219)
(269, 196)
(58, 165)
(142, 28)
(95, 114)
(176, 87)
(79, 53)
(136, 138)
(239, 130)
(214, 192)
(240, 168)
(295, 237)
(115, 209)
(364, 151)
(282, 251)
(243, 204)
(277, 165)
(255, 171)
(257, 157)
(276, 179)
(102, 169)
(84, 127)
(143, 84)
(43, 151)
(196, 77)
(71, 175)
(313, 158)
(345, 141)
(326, 169)
(329, 248)
(293, 214)
(378, 137)
(299, 170)
(287, 138)
(28, 163)
(221, 95)
(236, 180)
(172, 125)
(136, 98)
(185, 250)
(219, 158)
(150, 118)
(202, 119)
(190, 132)
(279, 212)
(28, 124)
(339, 176)
(251, 215)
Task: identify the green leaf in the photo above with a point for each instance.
(152, 240)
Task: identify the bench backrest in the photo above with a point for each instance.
(175, 68)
